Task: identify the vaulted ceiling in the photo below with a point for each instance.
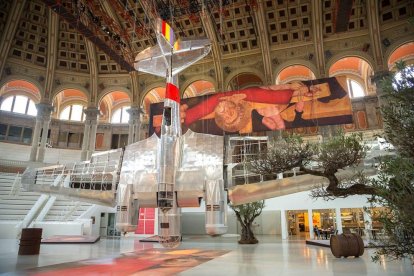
(120, 29)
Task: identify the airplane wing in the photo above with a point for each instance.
(139, 172)
(155, 61)
(91, 181)
(241, 194)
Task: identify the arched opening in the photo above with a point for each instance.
(355, 89)
(69, 105)
(358, 73)
(114, 107)
(244, 80)
(294, 73)
(198, 88)
(155, 95)
(73, 112)
(120, 115)
(403, 53)
(19, 96)
(19, 104)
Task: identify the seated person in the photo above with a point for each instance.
(316, 231)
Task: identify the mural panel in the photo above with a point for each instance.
(305, 104)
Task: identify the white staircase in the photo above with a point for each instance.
(66, 210)
(55, 216)
(14, 207)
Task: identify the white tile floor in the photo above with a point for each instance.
(271, 256)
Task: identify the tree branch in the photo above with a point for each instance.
(356, 189)
(312, 172)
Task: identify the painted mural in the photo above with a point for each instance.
(265, 108)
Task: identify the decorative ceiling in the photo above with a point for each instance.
(266, 30)
(120, 29)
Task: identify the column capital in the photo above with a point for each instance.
(134, 111)
(43, 111)
(91, 113)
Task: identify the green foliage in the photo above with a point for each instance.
(340, 152)
(281, 155)
(395, 192)
(395, 183)
(398, 109)
(249, 211)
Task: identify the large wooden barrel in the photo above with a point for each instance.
(30, 241)
(347, 245)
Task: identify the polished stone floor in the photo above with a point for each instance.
(271, 256)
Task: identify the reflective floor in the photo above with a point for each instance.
(271, 256)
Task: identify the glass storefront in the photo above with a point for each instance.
(324, 218)
(298, 222)
(353, 220)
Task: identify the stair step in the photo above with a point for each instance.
(14, 207)
(12, 217)
(14, 211)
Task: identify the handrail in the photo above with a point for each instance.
(92, 181)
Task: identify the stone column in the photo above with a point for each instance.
(92, 139)
(35, 138)
(89, 136)
(368, 221)
(284, 225)
(42, 148)
(310, 220)
(42, 121)
(377, 78)
(325, 132)
(131, 133)
(85, 141)
(338, 219)
(134, 124)
(371, 106)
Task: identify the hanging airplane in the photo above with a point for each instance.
(168, 173)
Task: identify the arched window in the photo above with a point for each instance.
(73, 112)
(19, 104)
(120, 116)
(355, 89)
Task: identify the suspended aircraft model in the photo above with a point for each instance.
(185, 166)
(168, 173)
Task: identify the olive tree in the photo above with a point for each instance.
(395, 184)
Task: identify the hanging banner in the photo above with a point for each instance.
(309, 103)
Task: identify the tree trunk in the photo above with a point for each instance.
(247, 235)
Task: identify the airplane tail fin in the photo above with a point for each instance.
(167, 33)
